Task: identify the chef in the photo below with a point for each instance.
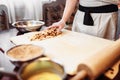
(93, 17)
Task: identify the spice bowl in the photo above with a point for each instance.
(24, 53)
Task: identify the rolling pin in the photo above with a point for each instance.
(98, 63)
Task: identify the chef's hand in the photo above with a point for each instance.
(60, 25)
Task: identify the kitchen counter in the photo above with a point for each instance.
(4, 39)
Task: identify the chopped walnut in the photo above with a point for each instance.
(45, 34)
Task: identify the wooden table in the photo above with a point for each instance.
(68, 48)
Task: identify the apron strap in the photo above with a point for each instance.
(101, 9)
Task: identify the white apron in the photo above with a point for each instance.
(105, 24)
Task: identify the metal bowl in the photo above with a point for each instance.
(40, 69)
(24, 53)
(43, 70)
(28, 25)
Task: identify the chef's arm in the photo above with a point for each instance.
(112, 1)
(69, 8)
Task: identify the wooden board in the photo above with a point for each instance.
(69, 49)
